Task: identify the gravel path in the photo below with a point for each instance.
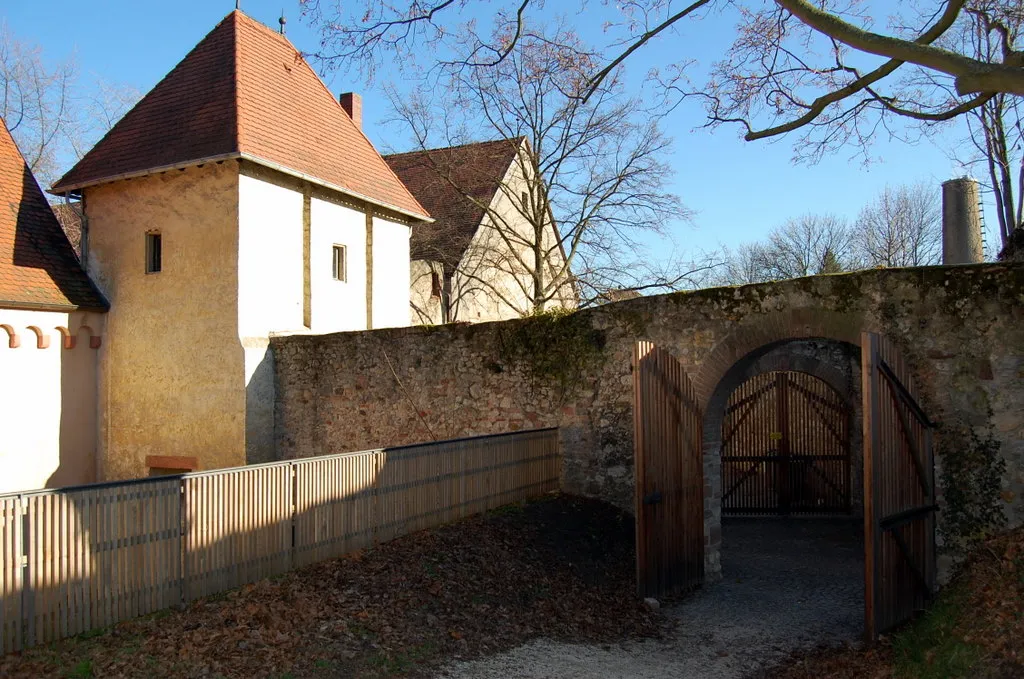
(787, 584)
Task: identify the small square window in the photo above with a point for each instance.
(154, 253)
(340, 263)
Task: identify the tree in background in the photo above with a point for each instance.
(901, 227)
(590, 179)
(46, 108)
(805, 246)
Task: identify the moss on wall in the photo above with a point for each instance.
(554, 347)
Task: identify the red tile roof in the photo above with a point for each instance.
(245, 91)
(440, 178)
(38, 268)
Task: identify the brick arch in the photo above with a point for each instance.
(42, 339)
(760, 358)
(752, 365)
(763, 332)
(13, 341)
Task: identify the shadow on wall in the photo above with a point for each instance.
(259, 404)
(78, 410)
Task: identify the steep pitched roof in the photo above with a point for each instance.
(439, 178)
(38, 268)
(245, 91)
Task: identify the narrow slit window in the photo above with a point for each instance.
(435, 284)
(154, 253)
(340, 263)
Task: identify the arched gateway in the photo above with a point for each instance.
(680, 439)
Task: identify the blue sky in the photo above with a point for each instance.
(738, 189)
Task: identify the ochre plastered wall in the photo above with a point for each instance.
(173, 379)
(48, 397)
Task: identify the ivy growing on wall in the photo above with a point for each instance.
(555, 347)
(972, 474)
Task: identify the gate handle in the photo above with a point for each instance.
(652, 498)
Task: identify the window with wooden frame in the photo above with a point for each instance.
(340, 263)
(154, 252)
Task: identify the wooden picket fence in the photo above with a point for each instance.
(76, 559)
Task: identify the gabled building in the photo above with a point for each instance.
(474, 262)
(237, 199)
(51, 328)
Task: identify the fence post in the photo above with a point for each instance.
(25, 535)
(21, 572)
(292, 469)
(183, 589)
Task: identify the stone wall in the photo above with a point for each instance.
(961, 330)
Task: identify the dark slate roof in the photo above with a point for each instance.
(439, 178)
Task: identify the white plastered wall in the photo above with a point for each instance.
(270, 295)
(48, 411)
(390, 274)
(337, 305)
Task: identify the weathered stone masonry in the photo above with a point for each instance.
(960, 328)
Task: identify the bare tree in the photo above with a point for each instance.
(588, 177)
(992, 143)
(747, 264)
(901, 227)
(35, 102)
(808, 245)
(47, 109)
(805, 246)
(795, 65)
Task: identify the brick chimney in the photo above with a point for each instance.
(353, 105)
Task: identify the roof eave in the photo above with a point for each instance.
(61, 189)
(40, 306)
(420, 217)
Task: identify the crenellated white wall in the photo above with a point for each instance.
(48, 425)
(390, 274)
(337, 305)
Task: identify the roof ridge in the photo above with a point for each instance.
(326, 89)
(518, 139)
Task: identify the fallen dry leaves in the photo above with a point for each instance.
(982, 609)
(561, 568)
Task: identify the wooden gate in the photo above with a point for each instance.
(785, 447)
(669, 475)
(899, 491)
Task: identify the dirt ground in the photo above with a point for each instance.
(560, 569)
(544, 589)
(788, 585)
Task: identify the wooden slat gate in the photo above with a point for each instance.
(669, 475)
(786, 447)
(899, 491)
